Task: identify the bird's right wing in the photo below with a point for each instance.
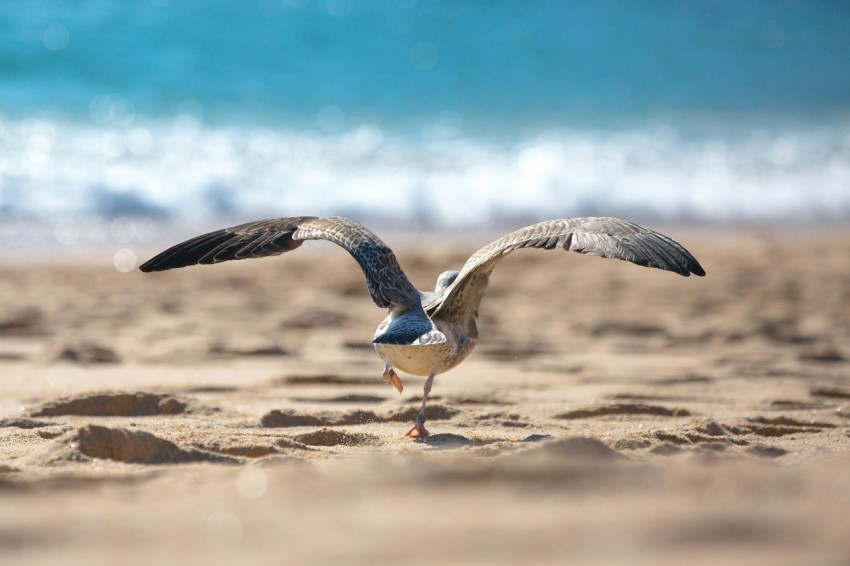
(604, 237)
(385, 279)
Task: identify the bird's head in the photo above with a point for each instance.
(445, 279)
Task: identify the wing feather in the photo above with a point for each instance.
(596, 236)
(385, 279)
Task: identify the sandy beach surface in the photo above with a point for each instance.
(610, 414)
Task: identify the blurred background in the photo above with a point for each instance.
(118, 118)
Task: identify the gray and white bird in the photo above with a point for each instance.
(427, 333)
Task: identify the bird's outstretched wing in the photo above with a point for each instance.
(385, 279)
(604, 237)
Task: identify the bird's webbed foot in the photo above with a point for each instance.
(418, 430)
(390, 376)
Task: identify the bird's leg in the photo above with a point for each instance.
(390, 376)
(418, 429)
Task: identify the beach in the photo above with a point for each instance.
(609, 414)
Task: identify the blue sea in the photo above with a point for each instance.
(431, 113)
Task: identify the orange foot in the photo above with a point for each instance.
(418, 430)
(390, 376)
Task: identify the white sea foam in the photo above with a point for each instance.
(65, 172)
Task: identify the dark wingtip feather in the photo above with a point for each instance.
(148, 266)
(191, 252)
(155, 264)
(674, 256)
(692, 267)
(697, 269)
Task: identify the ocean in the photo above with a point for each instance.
(432, 113)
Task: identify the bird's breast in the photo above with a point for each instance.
(424, 359)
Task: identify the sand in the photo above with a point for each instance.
(610, 414)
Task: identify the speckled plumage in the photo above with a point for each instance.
(428, 333)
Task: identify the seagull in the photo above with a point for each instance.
(427, 333)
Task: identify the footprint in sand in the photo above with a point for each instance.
(24, 323)
(325, 379)
(822, 355)
(711, 436)
(781, 426)
(795, 405)
(481, 401)
(624, 409)
(223, 351)
(240, 450)
(764, 451)
(630, 329)
(24, 423)
(112, 405)
(508, 420)
(87, 353)
(830, 392)
(315, 318)
(121, 445)
(329, 437)
(446, 441)
(347, 398)
(684, 380)
(290, 418)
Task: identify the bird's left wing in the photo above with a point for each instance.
(385, 279)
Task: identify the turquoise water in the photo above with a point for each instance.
(441, 112)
